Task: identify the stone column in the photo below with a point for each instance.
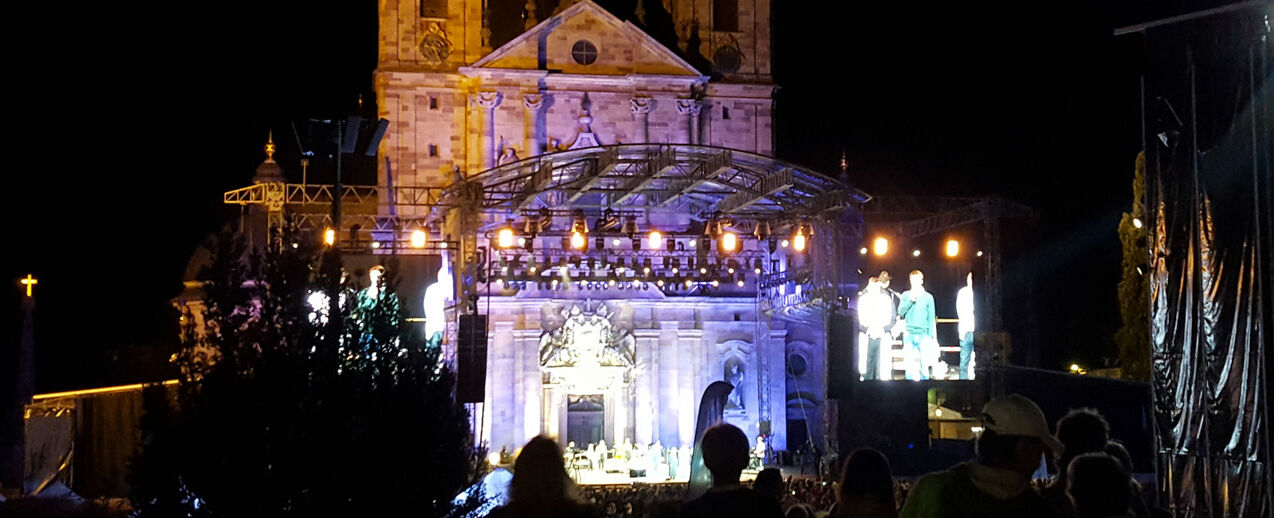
(488, 101)
(645, 415)
(690, 108)
(641, 110)
(535, 140)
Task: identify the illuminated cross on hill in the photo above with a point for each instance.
(29, 282)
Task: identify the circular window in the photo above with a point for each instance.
(584, 52)
(797, 365)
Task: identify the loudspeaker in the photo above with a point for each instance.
(842, 332)
(471, 359)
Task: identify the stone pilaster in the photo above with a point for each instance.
(641, 111)
(690, 108)
(488, 101)
(536, 131)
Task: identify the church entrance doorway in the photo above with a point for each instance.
(585, 419)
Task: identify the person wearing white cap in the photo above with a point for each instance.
(998, 482)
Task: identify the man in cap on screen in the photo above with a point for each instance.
(998, 482)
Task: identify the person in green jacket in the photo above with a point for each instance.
(998, 481)
(916, 311)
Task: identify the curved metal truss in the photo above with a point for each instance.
(697, 180)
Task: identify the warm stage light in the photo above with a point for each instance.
(798, 241)
(655, 238)
(880, 246)
(494, 458)
(915, 253)
(329, 237)
(783, 243)
(577, 240)
(729, 241)
(418, 238)
(862, 251)
(979, 253)
(953, 248)
(740, 283)
(687, 283)
(375, 244)
(614, 242)
(504, 237)
(1136, 222)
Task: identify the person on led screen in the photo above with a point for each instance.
(964, 312)
(917, 312)
(436, 297)
(875, 314)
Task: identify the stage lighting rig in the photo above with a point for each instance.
(880, 246)
(504, 236)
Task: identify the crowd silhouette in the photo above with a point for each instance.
(1093, 479)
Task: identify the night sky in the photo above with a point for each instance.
(132, 120)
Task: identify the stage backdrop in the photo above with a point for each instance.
(1207, 141)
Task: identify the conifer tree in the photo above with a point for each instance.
(295, 414)
(1133, 337)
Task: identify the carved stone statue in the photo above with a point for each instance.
(734, 375)
(587, 339)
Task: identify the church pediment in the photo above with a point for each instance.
(586, 39)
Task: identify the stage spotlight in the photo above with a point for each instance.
(553, 284)
(418, 238)
(577, 240)
(979, 253)
(654, 239)
(703, 271)
(880, 246)
(740, 283)
(729, 242)
(614, 242)
(862, 251)
(375, 244)
(329, 237)
(612, 283)
(646, 264)
(756, 266)
(579, 223)
(915, 253)
(798, 241)
(1136, 222)
(762, 231)
(953, 248)
(630, 227)
(715, 283)
(783, 243)
(504, 237)
(688, 283)
(660, 283)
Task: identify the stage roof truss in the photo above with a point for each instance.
(663, 177)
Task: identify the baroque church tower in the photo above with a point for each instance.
(470, 84)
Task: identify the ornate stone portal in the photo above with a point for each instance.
(588, 358)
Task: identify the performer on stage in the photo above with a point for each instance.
(918, 313)
(875, 314)
(964, 311)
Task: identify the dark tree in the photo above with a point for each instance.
(1133, 337)
(285, 412)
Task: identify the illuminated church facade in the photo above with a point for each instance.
(467, 91)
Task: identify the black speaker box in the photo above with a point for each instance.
(471, 359)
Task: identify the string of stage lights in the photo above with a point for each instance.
(614, 254)
(880, 247)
